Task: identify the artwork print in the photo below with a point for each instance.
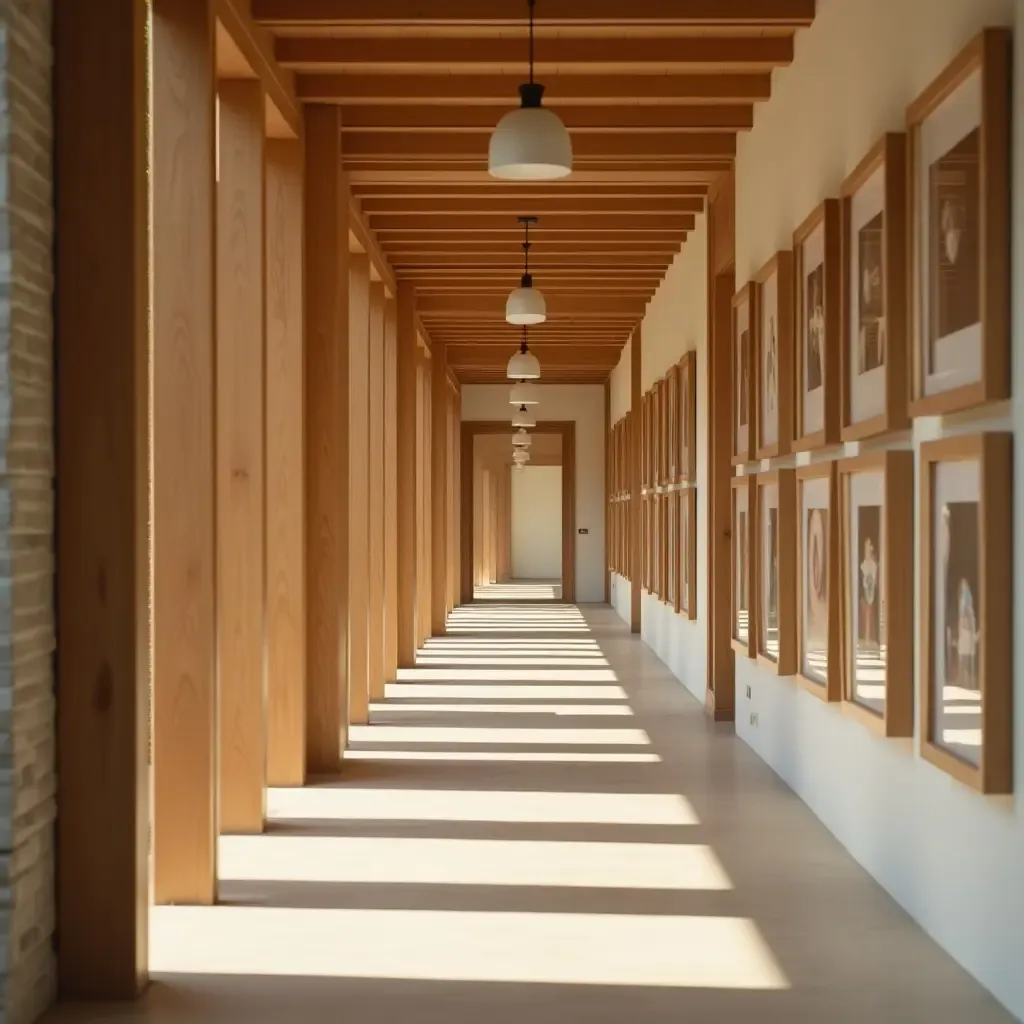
(744, 377)
(814, 327)
(871, 307)
(771, 367)
(742, 598)
(771, 584)
(684, 561)
(961, 622)
(816, 593)
(869, 582)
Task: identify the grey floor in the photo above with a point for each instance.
(541, 825)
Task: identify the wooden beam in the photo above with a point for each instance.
(101, 308)
(510, 209)
(697, 173)
(558, 306)
(240, 458)
(183, 446)
(326, 438)
(376, 492)
(366, 242)
(439, 490)
(668, 222)
(561, 355)
(494, 189)
(391, 574)
(406, 449)
(285, 475)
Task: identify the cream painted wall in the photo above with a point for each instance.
(583, 403)
(953, 859)
(537, 523)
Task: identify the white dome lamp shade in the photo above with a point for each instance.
(521, 457)
(524, 365)
(524, 418)
(526, 305)
(521, 439)
(531, 143)
(524, 393)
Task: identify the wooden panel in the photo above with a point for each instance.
(285, 509)
(359, 488)
(439, 490)
(637, 538)
(183, 558)
(102, 511)
(406, 462)
(326, 439)
(376, 491)
(423, 499)
(391, 515)
(240, 496)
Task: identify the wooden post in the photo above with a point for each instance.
(102, 512)
(607, 491)
(635, 501)
(240, 494)
(424, 499)
(439, 490)
(457, 467)
(376, 546)
(407, 369)
(285, 475)
(359, 486)
(391, 553)
(326, 439)
(184, 552)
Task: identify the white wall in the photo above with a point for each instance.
(954, 859)
(584, 404)
(537, 523)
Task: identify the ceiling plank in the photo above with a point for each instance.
(512, 208)
(505, 224)
(496, 189)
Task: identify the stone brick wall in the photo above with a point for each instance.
(27, 707)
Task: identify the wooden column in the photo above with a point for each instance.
(408, 361)
(636, 538)
(478, 522)
(326, 438)
(424, 536)
(285, 483)
(359, 488)
(240, 497)
(439, 490)
(376, 493)
(102, 512)
(607, 491)
(183, 370)
(390, 465)
(458, 468)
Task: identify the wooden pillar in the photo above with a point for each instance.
(408, 361)
(285, 510)
(439, 490)
(478, 522)
(608, 541)
(458, 469)
(183, 370)
(240, 497)
(423, 499)
(376, 493)
(636, 539)
(359, 489)
(326, 438)
(390, 465)
(102, 511)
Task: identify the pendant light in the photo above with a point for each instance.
(524, 393)
(531, 143)
(521, 439)
(526, 304)
(524, 365)
(520, 456)
(524, 418)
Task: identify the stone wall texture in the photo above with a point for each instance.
(27, 639)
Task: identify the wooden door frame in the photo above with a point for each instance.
(567, 430)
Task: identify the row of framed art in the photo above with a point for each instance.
(823, 589)
(894, 301)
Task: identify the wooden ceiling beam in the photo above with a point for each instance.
(671, 223)
(496, 190)
(704, 173)
(511, 209)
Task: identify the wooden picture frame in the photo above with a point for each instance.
(645, 441)
(776, 490)
(876, 572)
(687, 428)
(773, 357)
(743, 562)
(674, 562)
(966, 524)
(647, 526)
(687, 553)
(672, 425)
(665, 548)
(873, 349)
(817, 581)
(744, 407)
(817, 323)
(960, 215)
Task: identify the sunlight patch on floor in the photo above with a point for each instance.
(575, 710)
(511, 675)
(506, 691)
(537, 756)
(503, 735)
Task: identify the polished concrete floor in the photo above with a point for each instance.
(541, 825)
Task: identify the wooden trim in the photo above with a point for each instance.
(611, 466)
(831, 689)
(990, 51)
(785, 480)
(889, 154)
(747, 296)
(994, 454)
(688, 502)
(826, 213)
(897, 590)
(407, 430)
(687, 419)
(748, 647)
(781, 264)
(638, 462)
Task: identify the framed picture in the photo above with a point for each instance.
(656, 434)
(687, 465)
(672, 549)
(873, 352)
(744, 560)
(960, 200)
(818, 595)
(773, 356)
(687, 552)
(645, 441)
(966, 595)
(647, 557)
(775, 601)
(672, 424)
(876, 499)
(818, 285)
(659, 561)
(744, 323)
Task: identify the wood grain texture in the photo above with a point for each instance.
(391, 554)
(406, 462)
(636, 538)
(183, 366)
(359, 488)
(102, 499)
(376, 493)
(240, 496)
(326, 440)
(439, 490)
(424, 477)
(285, 472)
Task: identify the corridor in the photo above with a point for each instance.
(541, 825)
